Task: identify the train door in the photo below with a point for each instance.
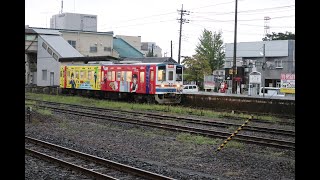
(141, 81)
(170, 78)
(62, 77)
(151, 80)
(104, 77)
(125, 81)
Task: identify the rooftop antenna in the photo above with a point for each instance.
(61, 6)
(266, 25)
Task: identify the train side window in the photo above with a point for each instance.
(81, 74)
(89, 75)
(113, 76)
(122, 75)
(109, 76)
(77, 74)
(151, 76)
(161, 73)
(141, 77)
(118, 75)
(170, 78)
(129, 76)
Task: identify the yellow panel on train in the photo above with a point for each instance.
(80, 77)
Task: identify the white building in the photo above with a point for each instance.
(147, 46)
(74, 21)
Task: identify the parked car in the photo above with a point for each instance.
(271, 92)
(190, 88)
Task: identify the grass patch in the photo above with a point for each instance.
(234, 144)
(138, 106)
(29, 102)
(46, 112)
(277, 154)
(188, 138)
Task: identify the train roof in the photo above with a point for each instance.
(117, 64)
(152, 60)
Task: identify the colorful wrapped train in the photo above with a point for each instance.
(140, 82)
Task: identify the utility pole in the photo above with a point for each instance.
(182, 12)
(263, 68)
(234, 84)
(152, 50)
(61, 6)
(171, 48)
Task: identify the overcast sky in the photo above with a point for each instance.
(156, 20)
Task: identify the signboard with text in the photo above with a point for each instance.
(287, 83)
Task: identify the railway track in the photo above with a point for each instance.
(209, 133)
(158, 116)
(93, 166)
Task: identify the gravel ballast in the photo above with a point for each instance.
(172, 154)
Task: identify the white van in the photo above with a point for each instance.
(190, 88)
(271, 92)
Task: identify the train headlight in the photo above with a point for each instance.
(178, 85)
(162, 85)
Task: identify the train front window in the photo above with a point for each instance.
(170, 78)
(161, 73)
(178, 73)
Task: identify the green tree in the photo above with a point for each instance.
(196, 68)
(149, 54)
(211, 49)
(279, 36)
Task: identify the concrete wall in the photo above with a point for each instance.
(252, 105)
(85, 40)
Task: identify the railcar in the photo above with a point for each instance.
(141, 82)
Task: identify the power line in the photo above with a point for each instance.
(250, 10)
(214, 20)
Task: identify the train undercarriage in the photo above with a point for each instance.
(169, 98)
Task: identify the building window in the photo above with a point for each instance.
(258, 63)
(107, 48)
(44, 45)
(278, 63)
(55, 56)
(49, 51)
(72, 43)
(44, 75)
(93, 49)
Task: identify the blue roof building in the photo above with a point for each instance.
(125, 50)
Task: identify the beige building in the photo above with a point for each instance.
(90, 43)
